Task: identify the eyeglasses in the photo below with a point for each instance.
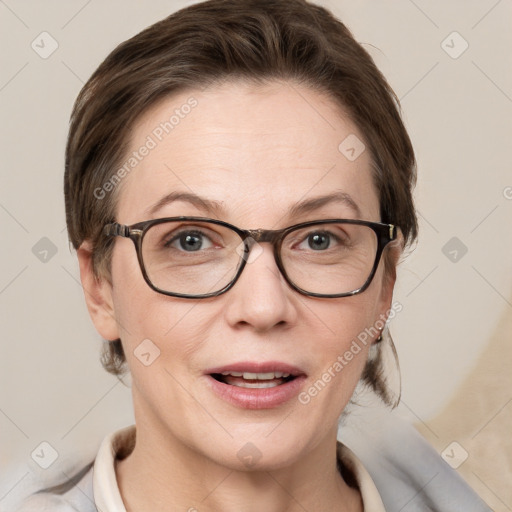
(196, 257)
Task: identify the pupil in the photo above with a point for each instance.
(191, 242)
(318, 241)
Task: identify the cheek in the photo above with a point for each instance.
(141, 313)
(342, 355)
(150, 322)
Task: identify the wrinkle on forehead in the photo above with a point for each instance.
(251, 150)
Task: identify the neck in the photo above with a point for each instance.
(162, 472)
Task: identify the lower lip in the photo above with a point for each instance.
(257, 398)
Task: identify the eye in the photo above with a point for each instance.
(319, 241)
(189, 241)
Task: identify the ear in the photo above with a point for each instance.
(391, 257)
(98, 295)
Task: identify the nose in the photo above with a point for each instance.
(261, 298)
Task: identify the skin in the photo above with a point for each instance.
(258, 150)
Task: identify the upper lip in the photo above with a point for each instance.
(257, 367)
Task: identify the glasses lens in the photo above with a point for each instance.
(191, 257)
(331, 258)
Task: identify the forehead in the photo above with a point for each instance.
(253, 150)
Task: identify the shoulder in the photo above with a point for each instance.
(91, 488)
(408, 473)
(72, 495)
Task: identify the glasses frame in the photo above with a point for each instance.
(386, 233)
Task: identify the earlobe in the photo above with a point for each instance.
(98, 295)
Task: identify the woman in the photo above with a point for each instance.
(238, 189)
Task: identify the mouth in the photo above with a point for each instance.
(253, 385)
(253, 380)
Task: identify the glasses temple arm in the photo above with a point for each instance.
(116, 229)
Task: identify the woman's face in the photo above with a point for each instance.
(256, 152)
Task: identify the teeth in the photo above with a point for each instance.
(258, 376)
(260, 385)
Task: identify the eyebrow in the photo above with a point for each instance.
(315, 203)
(201, 203)
(210, 206)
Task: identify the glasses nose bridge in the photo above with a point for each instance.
(263, 235)
(257, 236)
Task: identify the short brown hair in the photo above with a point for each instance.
(214, 41)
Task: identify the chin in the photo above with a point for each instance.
(265, 452)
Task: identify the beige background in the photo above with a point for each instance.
(454, 334)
